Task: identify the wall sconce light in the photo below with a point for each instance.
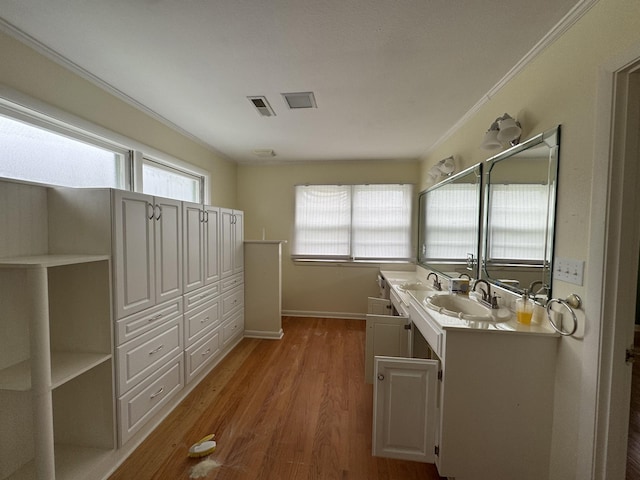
(443, 168)
(503, 130)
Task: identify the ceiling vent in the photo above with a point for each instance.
(262, 106)
(300, 100)
(264, 152)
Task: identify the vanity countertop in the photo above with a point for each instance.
(446, 322)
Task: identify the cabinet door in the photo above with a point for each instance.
(238, 241)
(385, 335)
(226, 242)
(134, 252)
(193, 246)
(168, 248)
(405, 408)
(211, 245)
(378, 306)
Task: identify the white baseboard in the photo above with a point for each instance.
(306, 313)
(264, 334)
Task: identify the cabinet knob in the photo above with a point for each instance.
(380, 377)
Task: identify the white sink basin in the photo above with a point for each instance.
(465, 308)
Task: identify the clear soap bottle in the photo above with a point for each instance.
(524, 309)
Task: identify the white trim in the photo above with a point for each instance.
(309, 313)
(556, 32)
(263, 334)
(595, 449)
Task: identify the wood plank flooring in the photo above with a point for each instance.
(633, 446)
(296, 408)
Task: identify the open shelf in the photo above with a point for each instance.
(64, 367)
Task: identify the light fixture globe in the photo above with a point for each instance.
(509, 130)
(491, 141)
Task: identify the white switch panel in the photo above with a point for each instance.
(569, 270)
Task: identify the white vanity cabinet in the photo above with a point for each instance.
(480, 409)
(56, 387)
(231, 244)
(147, 233)
(201, 232)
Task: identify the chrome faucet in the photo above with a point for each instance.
(436, 284)
(487, 298)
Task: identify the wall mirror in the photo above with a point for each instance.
(519, 215)
(449, 224)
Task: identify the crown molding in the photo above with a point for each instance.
(556, 32)
(51, 54)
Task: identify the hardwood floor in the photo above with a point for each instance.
(296, 408)
(633, 446)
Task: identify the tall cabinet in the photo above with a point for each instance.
(232, 236)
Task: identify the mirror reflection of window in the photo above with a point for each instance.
(518, 226)
(451, 222)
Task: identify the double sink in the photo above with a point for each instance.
(454, 305)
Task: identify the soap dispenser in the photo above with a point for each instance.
(524, 309)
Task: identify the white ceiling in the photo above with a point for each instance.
(390, 77)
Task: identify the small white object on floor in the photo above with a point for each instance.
(203, 468)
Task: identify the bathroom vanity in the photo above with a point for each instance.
(478, 403)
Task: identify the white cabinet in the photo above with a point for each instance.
(56, 383)
(404, 408)
(147, 247)
(201, 233)
(386, 335)
(232, 237)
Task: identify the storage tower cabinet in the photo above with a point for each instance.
(113, 308)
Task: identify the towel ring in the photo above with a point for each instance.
(565, 304)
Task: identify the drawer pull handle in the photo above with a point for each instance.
(207, 352)
(156, 350)
(204, 320)
(157, 393)
(156, 317)
(380, 377)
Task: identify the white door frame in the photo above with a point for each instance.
(614, 245)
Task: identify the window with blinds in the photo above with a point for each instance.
(353, 222)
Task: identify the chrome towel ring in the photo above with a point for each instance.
(571, 301)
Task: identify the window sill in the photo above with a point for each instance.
(349, 263)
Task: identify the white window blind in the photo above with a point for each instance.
(451, 222)
(518, 222)
(359, 222)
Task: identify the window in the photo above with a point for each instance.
(353, 222)
(164, 181)
(41, 144)
(518, 223)
(36, 154)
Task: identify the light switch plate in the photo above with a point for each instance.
(569, 270)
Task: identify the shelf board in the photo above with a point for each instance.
(64, 367)
(72, 463)
(49, 260)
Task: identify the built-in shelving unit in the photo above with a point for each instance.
(56, 366)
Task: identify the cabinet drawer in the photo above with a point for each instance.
(141, 356)
(202, 319)
(232, 282)
(232, 327)
(200, 296)
(130, 327)
(232, 300)
(201, 354)
(141, 403)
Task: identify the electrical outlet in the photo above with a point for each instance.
(569, 270)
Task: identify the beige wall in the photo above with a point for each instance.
(266, 195)
(28, 72)
(560, 87)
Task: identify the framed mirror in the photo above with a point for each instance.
(449, 224)
(519, 215)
